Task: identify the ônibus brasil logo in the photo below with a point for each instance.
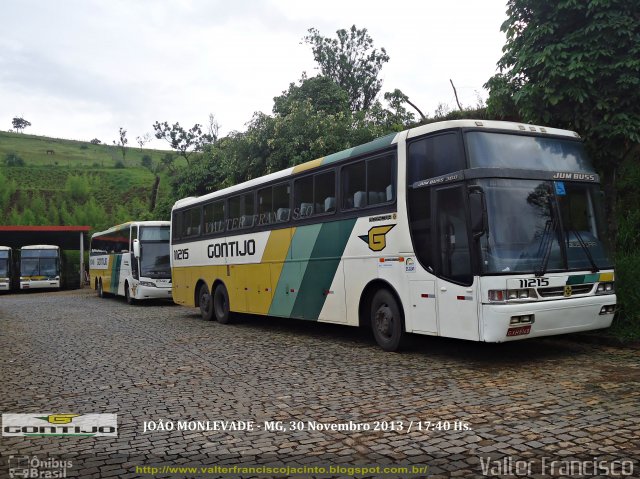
(87, 425)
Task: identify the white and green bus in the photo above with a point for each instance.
(40, 267)
(478, 230)
(6, 268)
(132, 260)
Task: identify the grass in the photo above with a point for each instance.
(70, 153)
(46, 174)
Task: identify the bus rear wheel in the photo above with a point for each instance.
(386, 320)
(221, 304)
(205, 302)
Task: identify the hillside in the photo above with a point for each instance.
(61, 181)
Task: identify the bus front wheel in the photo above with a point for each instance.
(205, 302)
(127, 294)
(221, 304)
(386, 320)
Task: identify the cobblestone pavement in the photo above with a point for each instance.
(473, 409)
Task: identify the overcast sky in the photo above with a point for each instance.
(81, 69)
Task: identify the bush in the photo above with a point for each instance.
(627, 322)
(84, 147)
(119, 164)
(12, 159)
(146, 161)
(78, 188)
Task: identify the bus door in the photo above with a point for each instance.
(457, 295)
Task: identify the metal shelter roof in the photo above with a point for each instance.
(67, 237)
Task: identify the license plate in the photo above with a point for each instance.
(519, 331)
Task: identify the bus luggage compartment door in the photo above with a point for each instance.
(422, 307)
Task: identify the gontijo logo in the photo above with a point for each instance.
(59, 418)
(38, 425)
(377, 237)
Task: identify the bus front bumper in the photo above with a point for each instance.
(40, 284)
(152, 292)
(562, 316)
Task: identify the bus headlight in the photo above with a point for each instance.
(500, 295)
(522, 319)
(606, 288)
(147, 284)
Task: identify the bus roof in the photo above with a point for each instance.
(379, 144)
(41, 246)
(129, 224)
(4, 248)
(489, 125)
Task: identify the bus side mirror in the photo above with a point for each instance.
(136, 248)
(478, 210)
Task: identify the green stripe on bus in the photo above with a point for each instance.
(115, 273)
(319, 274)
(293, 270)
(583, 279)
(374, 145)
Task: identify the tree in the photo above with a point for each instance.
(321, 91)
(183, 141)
(574, 64)
(213, 128)
(351, 61)
(20, 124)
(143, 140)
(121, 142)
(95, 141)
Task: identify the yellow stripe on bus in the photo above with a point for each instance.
(308, 165)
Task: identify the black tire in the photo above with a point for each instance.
(100, 290)
(205, 302)
(386, 320)
(221, 305)
(127, 295)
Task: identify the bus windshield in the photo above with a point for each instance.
(4, 267)
(539, 226)
(503, 150)
(39, 267)
(154, 260)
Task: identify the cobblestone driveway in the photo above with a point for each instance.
(466, 403)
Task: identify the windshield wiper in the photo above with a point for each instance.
(585, 248)
(546, 244)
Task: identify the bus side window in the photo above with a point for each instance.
(354, 186)
(368, 183)
(303, 197)
(241, 211)
(176, 225)
(380, 180)
(435, 156)
(265, 206)
(281, 204)
(191, 222)
(214, 217)
(324, 192)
